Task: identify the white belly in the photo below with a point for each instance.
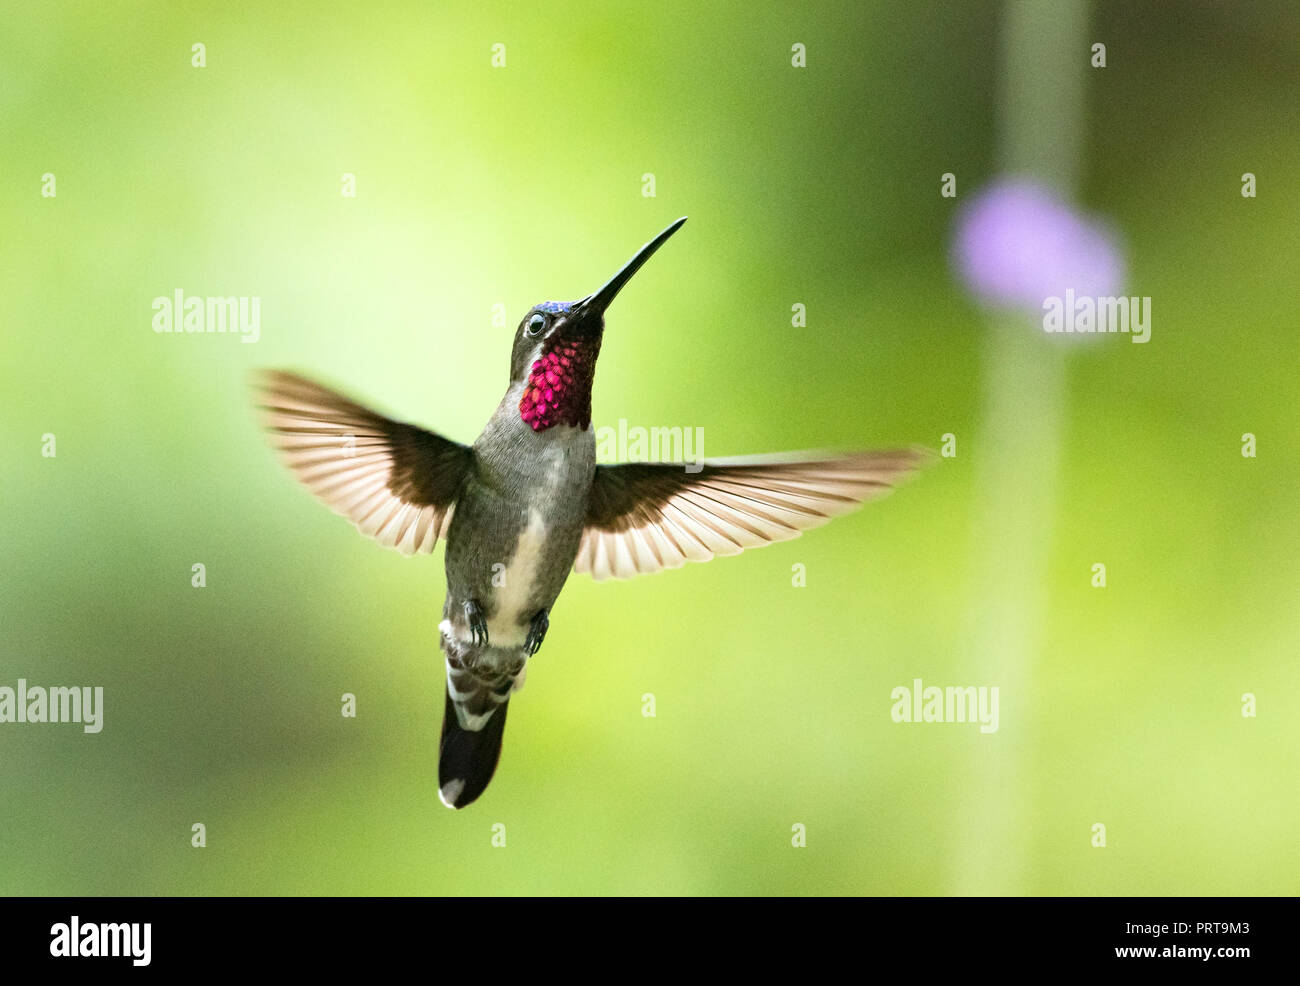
(513, 585)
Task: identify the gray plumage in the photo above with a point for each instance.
(526, 504)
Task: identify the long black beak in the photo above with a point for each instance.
(599, 301)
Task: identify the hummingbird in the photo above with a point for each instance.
(527, 503)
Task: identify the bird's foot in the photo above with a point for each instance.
(477, 625)
(537, 632)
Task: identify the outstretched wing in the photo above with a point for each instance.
(645, 517)
(396, 482)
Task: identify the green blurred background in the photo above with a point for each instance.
(479, 185)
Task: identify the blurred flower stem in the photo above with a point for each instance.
(1044, 56)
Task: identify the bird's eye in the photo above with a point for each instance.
(536, 323)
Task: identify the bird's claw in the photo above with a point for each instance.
(537, 632)
(478, 630)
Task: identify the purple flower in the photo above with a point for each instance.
(1017, 244)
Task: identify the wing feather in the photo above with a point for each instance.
(646, 517)
(397, 483)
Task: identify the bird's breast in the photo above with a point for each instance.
(516, 529)
(514, 584)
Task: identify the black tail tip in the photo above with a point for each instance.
(468, 759)
(457, 792)
(466, 768)
(452, 794)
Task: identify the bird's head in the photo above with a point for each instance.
(556, 346)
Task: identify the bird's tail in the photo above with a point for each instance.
(473, 724)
